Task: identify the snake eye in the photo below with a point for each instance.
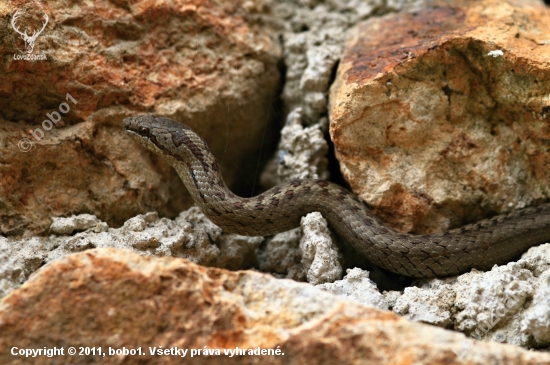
(144, 132)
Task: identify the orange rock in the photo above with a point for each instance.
(200, 62)
(117, 299)
(441, 116)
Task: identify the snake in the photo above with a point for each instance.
(479, 245)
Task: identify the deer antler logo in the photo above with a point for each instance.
(29, 40)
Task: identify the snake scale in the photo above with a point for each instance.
(479, 245)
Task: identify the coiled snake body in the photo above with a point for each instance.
(480, 245)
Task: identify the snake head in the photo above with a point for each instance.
(165, 137)
(152, 132)
(140, 125)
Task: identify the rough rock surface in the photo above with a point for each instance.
(313, 37)
(357, 286)
(319, 253)
(301, 254)
(281, 256)
(301, 153)
(93, 294)
(118, 299)
(507, 304)
(441, 116)
(72, 224)
(208, 64)
(307, 253)
(491, 305)
(430, 304)
(536, 320)
(190, 235)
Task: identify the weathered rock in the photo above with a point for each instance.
(313, 35)
(301, 153)
(190, 235)
(357, 286)
(313, 40)
(196, 306)
(319, 253)
(490, 305)
(281, 256)
(428, 306)
(69, 225)
(11, 273)
(305, 254)
(536, 321)
(441, 116)
(117, 299)
(508, 304)
(208, 64)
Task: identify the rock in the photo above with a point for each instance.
(391, 297)
(429, 305)
(116, 299)
(281, 256)
(67, 226)
(11, 274)
(305, 254)
(357, 286)
(301, 153)
(490, 305)
(319, 253)
(208, 64)
(508, 304)
(191, 235)
(536, 321)
(440, 116)
(537, 260)
(313, 35)
(20, 259)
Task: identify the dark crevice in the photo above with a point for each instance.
(448, 91)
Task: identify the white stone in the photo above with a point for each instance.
(357, 286)
(319, 253)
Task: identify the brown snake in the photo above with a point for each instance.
(479, 245)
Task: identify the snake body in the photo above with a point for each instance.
(480, 245)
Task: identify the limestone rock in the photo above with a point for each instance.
(304, 254)
(301, 153)
(69, 225)
(429, 306)
(319, 253)
(441, 116)
(490, 305)
(536, 321)
(357, 286)
(118, 299)
(190, 235)
(508, 304)
(207, 64)
(313, 39)
(281, 256)
(313, 35)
